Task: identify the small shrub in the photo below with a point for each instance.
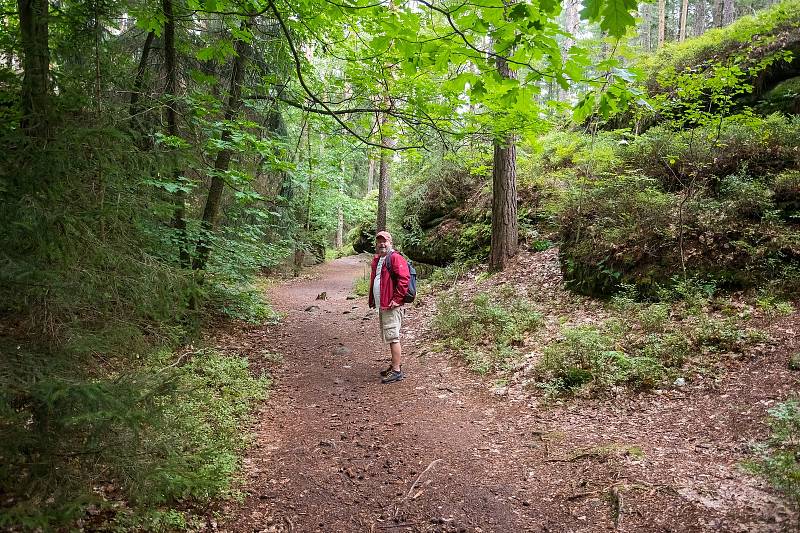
(786, 195)
(361, 287)
(485, 329)
(626, 298)
(779, 458)
(724, 334)
(654, 317)
(773, 306)
(241, 301)
(746, 196)
(671, 349)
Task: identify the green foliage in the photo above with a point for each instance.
(748, 43)
(361, 287)
(778, 459)
(484, 329)
(714, 208)
(168, 432)
(786, 195)
(588, 356)
(654, 318)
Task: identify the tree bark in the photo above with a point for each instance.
(223, 160)
(505, 234)
(699, 18)
(684, 15)
(645, 29)
(717, 14)
(179, 216)
(728, 12)
(138, 83)
(370, 172)
(33, 19)
(383, 182)
(340, 210)
(662, 26)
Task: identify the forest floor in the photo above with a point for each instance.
(446, 450)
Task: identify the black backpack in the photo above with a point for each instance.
(412, 277)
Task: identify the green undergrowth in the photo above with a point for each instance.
(719, 202)
(688, 332)
(750, 42)
(102, 405)
(166, 433)
(361, 286)
(485, 329)
(646, 344)
(778, 458)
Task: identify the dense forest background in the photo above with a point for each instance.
(159, 157)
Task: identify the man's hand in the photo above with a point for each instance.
(393, 305)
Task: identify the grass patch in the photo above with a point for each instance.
(778, 459)
(361, 287)
(486, 329)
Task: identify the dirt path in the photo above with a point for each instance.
(336, 451)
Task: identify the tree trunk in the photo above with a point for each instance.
(340, 211)
(684, 14)
(138, 83)
(662, 13)
(370, 172)
(699, 18)
(383, 182)
(33, 19)
(223, 159)
(504, 195)
(645, 27)
(179, 217)
(717, 14)
(728, 12)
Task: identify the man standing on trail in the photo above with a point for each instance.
(389, 281)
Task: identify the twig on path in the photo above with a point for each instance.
(580, 495)
(574, 458)
(616, 502)
(403, 524)
(413, 486)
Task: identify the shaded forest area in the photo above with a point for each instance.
(157, 159)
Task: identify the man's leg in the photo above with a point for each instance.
(397, 353)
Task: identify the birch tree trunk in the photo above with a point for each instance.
(662, 13)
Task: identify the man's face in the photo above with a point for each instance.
(381, 246)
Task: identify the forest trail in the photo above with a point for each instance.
(337, 451)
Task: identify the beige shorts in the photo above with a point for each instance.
(391, 322)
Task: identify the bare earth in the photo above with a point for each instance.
(337, 451)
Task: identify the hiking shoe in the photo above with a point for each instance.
(385, 372)
(392, 376)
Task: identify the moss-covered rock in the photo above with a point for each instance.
(784, 98)
(630, 232)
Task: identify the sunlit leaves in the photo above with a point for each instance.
(615, 16)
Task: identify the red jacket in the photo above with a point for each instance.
(393, 287)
